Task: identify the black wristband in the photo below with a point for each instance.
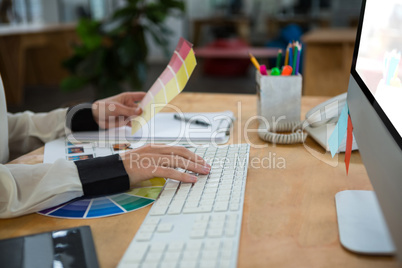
(80, 118)
(103, 175)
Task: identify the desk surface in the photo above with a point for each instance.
(289, 217)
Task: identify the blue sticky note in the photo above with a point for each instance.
(340, 131)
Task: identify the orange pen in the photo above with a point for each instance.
(287, 70)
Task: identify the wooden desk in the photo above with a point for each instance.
(32, 54)
(289, 217)
(327, 61)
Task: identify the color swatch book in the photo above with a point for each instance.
(164, 127)
(168, 85)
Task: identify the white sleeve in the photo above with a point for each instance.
(29, 188)
(28, 131)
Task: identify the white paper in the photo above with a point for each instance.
(164, 127)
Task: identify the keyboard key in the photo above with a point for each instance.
(216, 226)
(153, 257)
(158, 247)
(215, 233)
(168, 192)
(227, 245)
(188, 264)
(135, 253)
(223, 198)
(168, 264)
(176, 246)
(172, 257)
(221, 206)
(144, 236)
(148, 228)
(230, 231)
(202, 217)
(194, 245)
(218, 218)
(191, 205)
(177, 203)
(152, 221)
(158, 211)
(149, 265)
(174, 210)
(207, 202)
(172, 184)
(211, 255)
(208, 263)
(165, 227)
(226, 254)
(224, 264)
(197, 234)
(128, 265)
(212, 245)
(200, 226)
(206, 208)
(232, 218)
(190, 255)
(234, 207)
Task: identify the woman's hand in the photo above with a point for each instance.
(117, 110)
(153, 160)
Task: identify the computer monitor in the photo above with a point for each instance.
(375, 105)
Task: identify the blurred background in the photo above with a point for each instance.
(54, 53)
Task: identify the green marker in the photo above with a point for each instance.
(295, 59)
(275, 71)
(279, 59)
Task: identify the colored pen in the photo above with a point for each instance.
(279, 59)
(263, 69)
(197, 122)
(287, 70)
(287, 54)
(298, 58)
(296, 49)
(290, 54)
(254, 61)
(275, 71)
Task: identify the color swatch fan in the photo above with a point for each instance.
(140, 196)
(168, 85)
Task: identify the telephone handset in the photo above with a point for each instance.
(322, 119)
(326, 112)
(319, 124)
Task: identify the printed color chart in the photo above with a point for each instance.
(168, 85)
(140, 196)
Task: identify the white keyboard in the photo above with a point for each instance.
(196, 225)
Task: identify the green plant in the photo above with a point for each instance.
(113, 53)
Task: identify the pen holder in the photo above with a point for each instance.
(279, 98)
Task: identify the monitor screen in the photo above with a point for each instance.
(379, 62)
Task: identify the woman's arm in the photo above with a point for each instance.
(28, 131)
(29, 188)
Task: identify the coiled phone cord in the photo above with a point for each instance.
(296, 137)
